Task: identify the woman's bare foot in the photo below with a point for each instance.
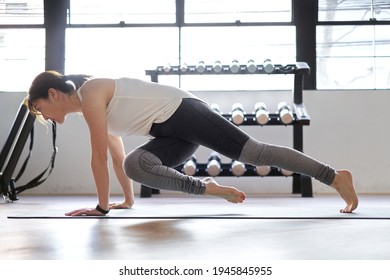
(123, 205)
(229, 193)
(343, 184)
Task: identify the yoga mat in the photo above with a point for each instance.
(203, 218)
(252, 213)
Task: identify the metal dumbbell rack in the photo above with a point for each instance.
(301, 184)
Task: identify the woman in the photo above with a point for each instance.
(179, 123)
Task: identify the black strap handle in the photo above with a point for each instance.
(38, 180)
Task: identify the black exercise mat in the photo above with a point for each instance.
(210, 213)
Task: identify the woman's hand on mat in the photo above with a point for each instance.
(85, 212)
(123, 205)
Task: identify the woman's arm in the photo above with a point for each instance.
(94, 111)
(117, 151)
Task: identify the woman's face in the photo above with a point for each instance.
(50, 108)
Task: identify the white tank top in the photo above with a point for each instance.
(137, 104)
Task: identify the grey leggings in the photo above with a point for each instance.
(194, 124)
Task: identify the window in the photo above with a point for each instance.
(119, 52)
(207, 38)
(22, 50)
(356, 55)
(138, 46)
(226, 44)
(353, 57)
(22, 56)
(21, 12)
(116, 11)
(352, 10)
(201, 11)
(116, 52)
(122, 37)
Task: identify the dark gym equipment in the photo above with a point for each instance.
(22, 128)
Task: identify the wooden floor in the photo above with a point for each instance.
(265, 227)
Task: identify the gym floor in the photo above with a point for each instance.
(279, 227)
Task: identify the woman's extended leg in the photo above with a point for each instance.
(290, 159)
(195, 122)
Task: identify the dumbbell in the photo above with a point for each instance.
(268, 66)
(263, 170)
(217, 67)
(286, 172)
(234, 67)
(238, 168)
(261, 113)
(214, 164)
(167, 68)
(285, 113)
(251, 66)
(238, 113)
(189, 167)
(200, 68)
(184, 67)
(215, 107)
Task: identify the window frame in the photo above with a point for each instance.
(371, 22)
(304, 18)
(181, 24)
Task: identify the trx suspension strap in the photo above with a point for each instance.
(22, 128)
(37, 180)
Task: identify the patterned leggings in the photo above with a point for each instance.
(194, 124)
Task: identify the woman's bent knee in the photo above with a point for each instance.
(139, 164)
(129, 163)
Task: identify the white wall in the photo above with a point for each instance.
(349, 129)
